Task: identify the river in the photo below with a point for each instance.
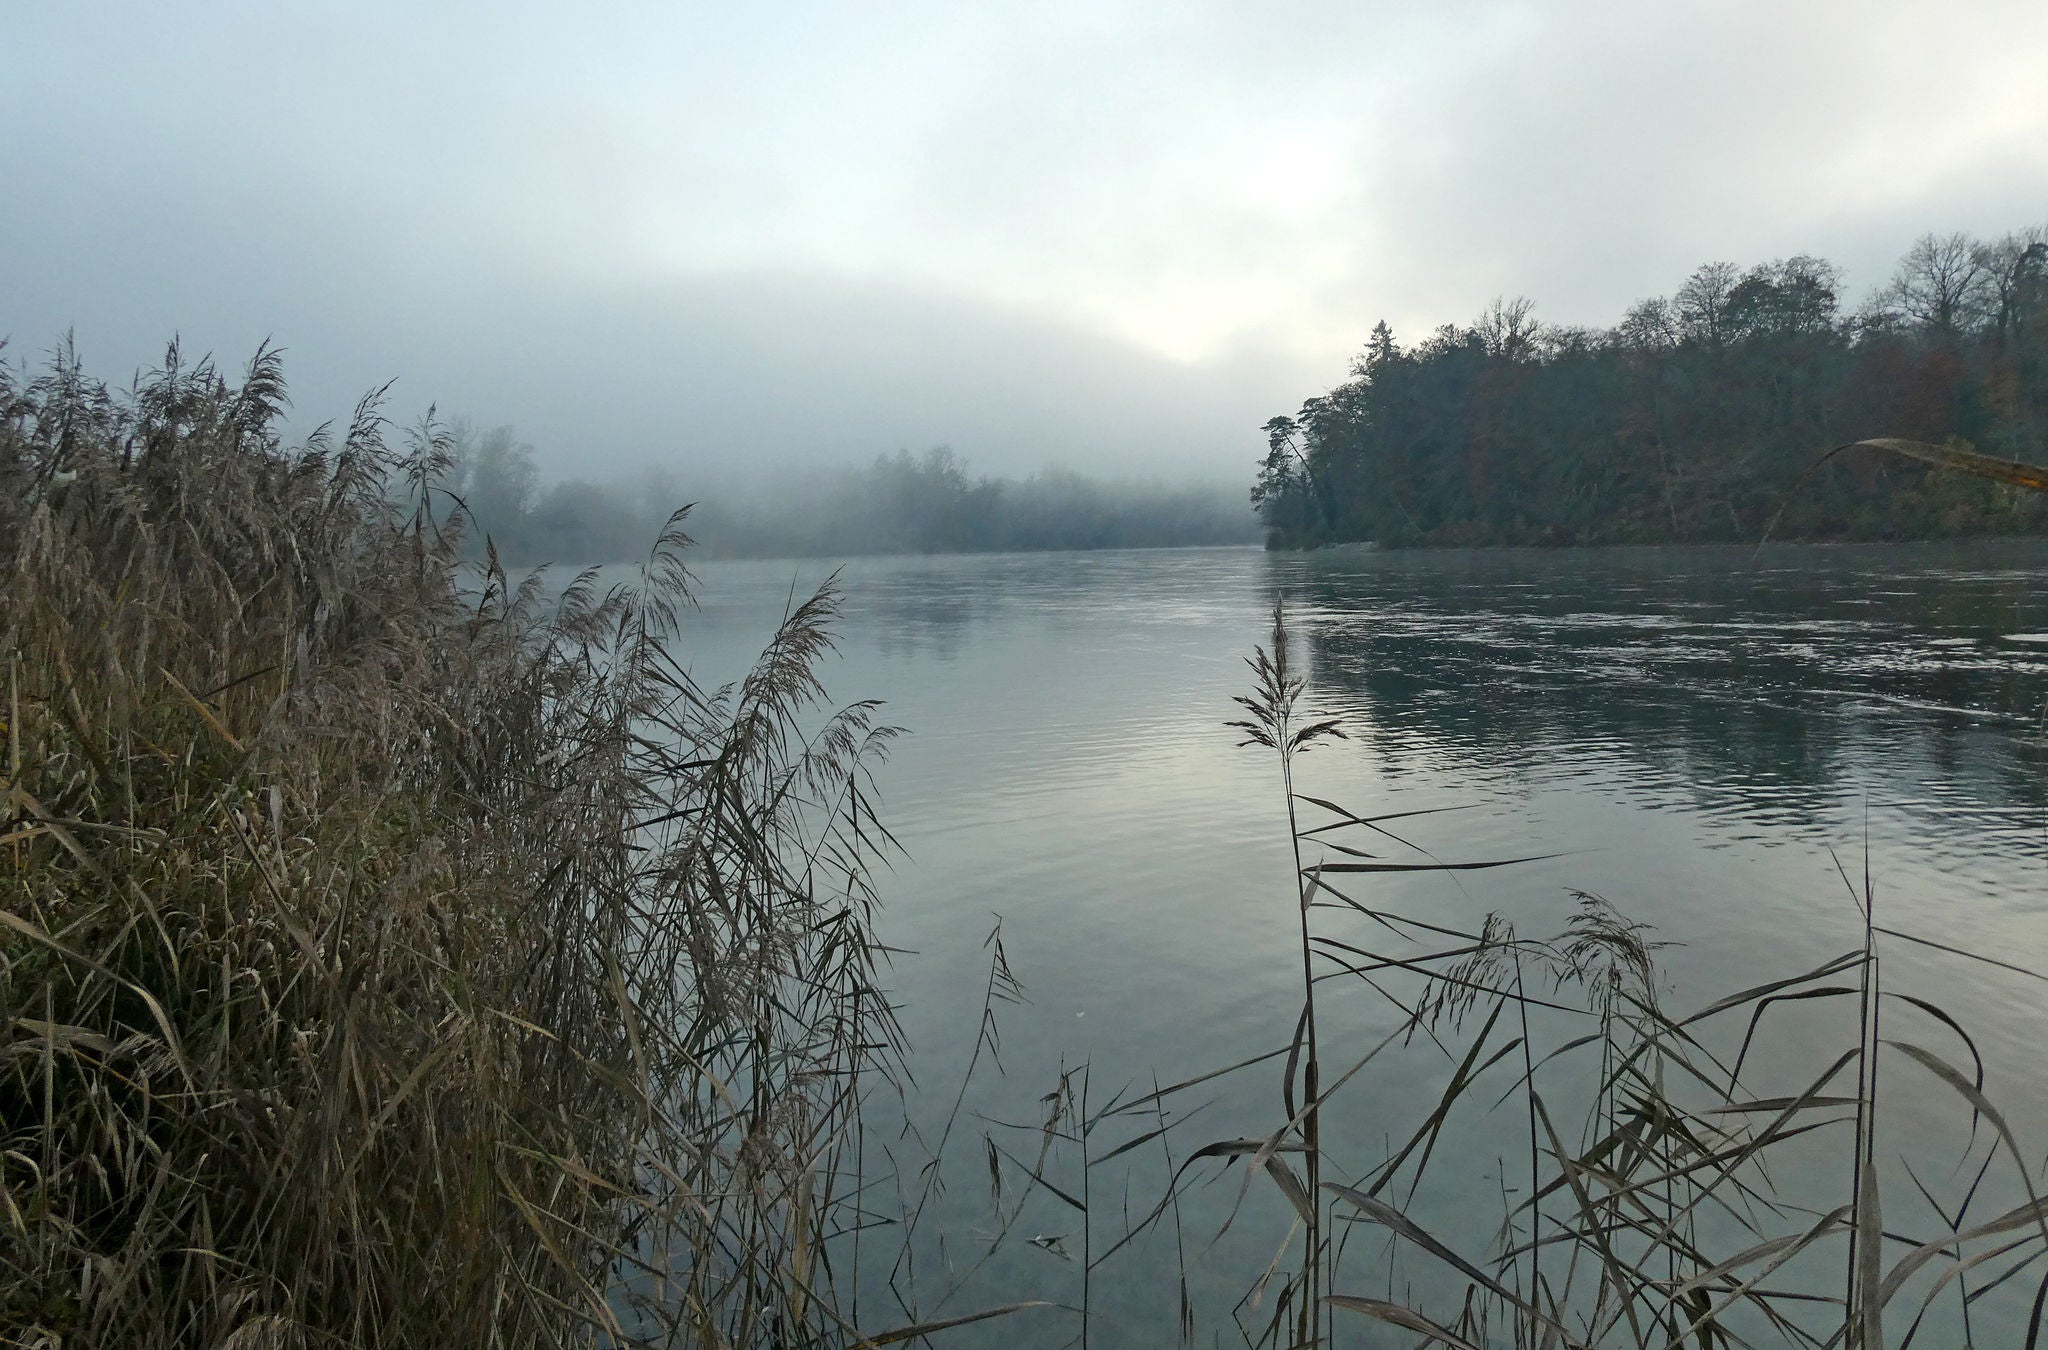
(1722, 743)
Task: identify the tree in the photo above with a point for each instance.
(1702, 303)
(575, 522)
(1794, 295)
(495, 475)
(1649, 326)
(1284, 469)
(1691, 419)
(1943, 284)
(2014, 268)
(1287, 493)
(1509, 328)
(1380, 349)
(2018, 269)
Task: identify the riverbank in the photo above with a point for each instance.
(398, 953)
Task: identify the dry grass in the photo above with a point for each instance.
(1664, 1194)
(393, 954)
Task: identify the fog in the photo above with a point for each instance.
(1115, 238)
(934, 502)
(715, 376)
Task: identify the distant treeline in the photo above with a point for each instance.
(900, 503)
(1694, 418)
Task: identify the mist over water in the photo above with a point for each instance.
(935, 502)
(1720, 742)
(1026, 327)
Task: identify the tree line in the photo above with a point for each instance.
(1697, 417)
(900, 503)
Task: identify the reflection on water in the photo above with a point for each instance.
(1715, 740)
(1764, 690)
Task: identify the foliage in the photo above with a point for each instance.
(1691, 420)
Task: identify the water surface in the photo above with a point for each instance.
(1723, 744)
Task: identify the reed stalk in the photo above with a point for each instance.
(394, 952)
(1275, 725)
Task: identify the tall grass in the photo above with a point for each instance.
(399, 954)
(393, 953)
(1669, 1192)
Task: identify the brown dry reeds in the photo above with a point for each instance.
(394, 954)
(1667, 1196)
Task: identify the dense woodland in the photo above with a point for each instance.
(1696, 418)
(900, 503)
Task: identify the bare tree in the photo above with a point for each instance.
(1792, 295)
(1650, 325)
(1943, 284)
(1702, 303)
(1509, 328)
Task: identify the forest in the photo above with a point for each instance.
(1699, 417)
(900, 503)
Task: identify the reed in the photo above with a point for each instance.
(395, 953)
(1669, 1194)
(392, 952)
(1658, 1188)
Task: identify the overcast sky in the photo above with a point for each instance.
(1114, 236)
